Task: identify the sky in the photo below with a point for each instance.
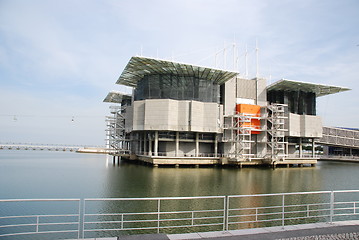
(59, 59)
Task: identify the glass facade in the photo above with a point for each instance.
(298, 102)
(160, 86)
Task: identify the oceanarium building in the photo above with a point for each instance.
(182, 114)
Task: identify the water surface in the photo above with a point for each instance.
(46, 174)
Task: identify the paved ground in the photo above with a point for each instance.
(315, 231)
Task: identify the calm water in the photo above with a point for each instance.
(44, 174)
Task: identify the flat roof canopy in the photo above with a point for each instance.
(116, 97)
(138, 67)
(318, 89)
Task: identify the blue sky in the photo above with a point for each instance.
(58, 59)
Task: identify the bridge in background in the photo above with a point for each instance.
(48, 147)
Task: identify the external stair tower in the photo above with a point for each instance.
(276, 131)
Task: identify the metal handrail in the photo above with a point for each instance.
(226, 212)
(180, 155)
(35, 219)
(191, 217)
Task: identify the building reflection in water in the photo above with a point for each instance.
(130, 180)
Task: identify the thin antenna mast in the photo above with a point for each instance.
(215, 59)
(234, 56)
(224, 57)
(257, 59)
(246, 62)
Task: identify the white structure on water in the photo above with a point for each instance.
(182, 114)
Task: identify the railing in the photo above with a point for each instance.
(37, 222)
(108, 217)
(339, 137)
(304, 155)
(156, 214)
(188, 155)
(340, 157)
(278, 212)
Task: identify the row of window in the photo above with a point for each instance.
(176, 87)
(182, 135)
(298, 102)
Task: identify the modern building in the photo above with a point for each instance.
(182, 114)
(340, 144)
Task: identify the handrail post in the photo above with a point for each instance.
(37, 224)
(331, 206)
(79, 219)
(122, 221)
(158, 215)
(226, 208)
(83, 218)
(224, 213)
(283, 210)
(355, 208)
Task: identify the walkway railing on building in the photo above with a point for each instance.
(339, 137)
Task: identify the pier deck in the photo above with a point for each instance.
(208, 161)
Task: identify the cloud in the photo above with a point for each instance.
(64, 56)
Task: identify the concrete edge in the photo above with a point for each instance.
(204, 235)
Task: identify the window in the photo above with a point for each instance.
(176, 87)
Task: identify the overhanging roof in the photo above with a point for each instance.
(318, 89)
(116, 97)
(138, 67)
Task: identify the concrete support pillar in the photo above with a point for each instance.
(300, 148)
(232, 137)
(313, 148)
(197, 144)
(215, 146)
(150, 146)
(156, 144)
(325, 150)
(286, 146)
(140, 143)
(177, 144)
(144, 143)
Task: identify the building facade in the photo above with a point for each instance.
(181, 114)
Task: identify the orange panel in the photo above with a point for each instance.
(256, 123)
(248, 108)
(253, 110)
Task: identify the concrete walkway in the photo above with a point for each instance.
(317, 231)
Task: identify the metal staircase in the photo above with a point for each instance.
(238, 133)
(276, 131)
(116, 136)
